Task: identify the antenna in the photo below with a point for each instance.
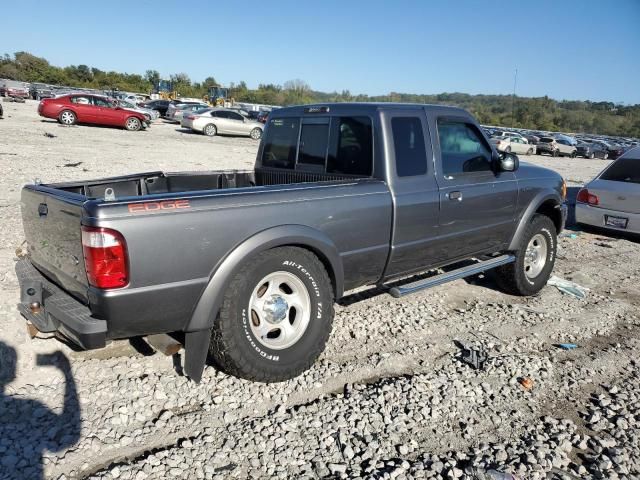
(513, 97)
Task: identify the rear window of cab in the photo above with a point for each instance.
(337, 144)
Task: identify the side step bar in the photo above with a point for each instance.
(398, 292)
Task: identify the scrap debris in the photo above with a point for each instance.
(568, 287)
(476, 357)
(49, 135)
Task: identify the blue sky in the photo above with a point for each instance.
(567, 49)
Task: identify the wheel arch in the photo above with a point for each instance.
(546, 203)
(318, 243)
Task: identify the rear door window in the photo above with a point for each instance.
(623, 170)
(409, 147)
(314, 140)
(281, 142)
(351, 148)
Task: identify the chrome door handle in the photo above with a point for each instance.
(456, 195)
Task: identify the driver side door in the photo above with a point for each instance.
(477, 203)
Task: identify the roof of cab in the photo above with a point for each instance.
(364, 107)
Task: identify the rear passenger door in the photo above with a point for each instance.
(414, 189)
(477, 204)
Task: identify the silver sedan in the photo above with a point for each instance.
(612, 199)
(224, 121)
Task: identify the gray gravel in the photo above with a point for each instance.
(390, 398)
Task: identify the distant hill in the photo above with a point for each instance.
(541, 113)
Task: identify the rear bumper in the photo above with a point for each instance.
(59, 312)
(594, 216)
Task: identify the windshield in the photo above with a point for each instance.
(546, 140)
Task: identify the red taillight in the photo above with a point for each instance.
(191, 117)
(105, 257)
(585, 197)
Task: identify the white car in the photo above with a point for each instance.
(513, 144)
(612, 199)
(224, 121)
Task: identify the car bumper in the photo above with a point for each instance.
(59, 312)
(594, 216)
(186, 123)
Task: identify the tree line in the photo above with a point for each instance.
(540, 113)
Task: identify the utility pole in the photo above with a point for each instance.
(513, 97)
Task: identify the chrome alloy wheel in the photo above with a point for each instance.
(280, 310)
(535, 257)
(67, 118)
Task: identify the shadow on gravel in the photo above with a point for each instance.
(28, 428)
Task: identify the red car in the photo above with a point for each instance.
(14, 92)
(94, 109)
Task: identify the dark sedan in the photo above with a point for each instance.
(160, 106)
(591, 150)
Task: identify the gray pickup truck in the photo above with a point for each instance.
(244, 266)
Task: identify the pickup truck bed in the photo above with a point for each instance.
(247, 264)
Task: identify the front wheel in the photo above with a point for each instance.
(535, 258)
(592, 156)
(275, 318)
(133, 124)
(555, 153)
(574, 154)
(256, 134)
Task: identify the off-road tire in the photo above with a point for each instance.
(234, 347)
(511, 278)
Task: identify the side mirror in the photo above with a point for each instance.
(508, 162)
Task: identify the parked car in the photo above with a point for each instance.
(263, 116)
(612, 199)
(14, 91)
(175, 111)
(148, 113)
(591, 150)
(556, 147)
(505, 133)
(38, 91)
(513, 144)
(222, 121)
(90, 109)
(247, 265)
(615, 150)
(159, 106)
(532, 139)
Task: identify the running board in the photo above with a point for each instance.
(398, 292)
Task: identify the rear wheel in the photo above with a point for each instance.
(256, 133)
(210, 130)
(530, 151)
(133, 124)
(508, 149)
(275, 318)
(535, 258)
(67, 117)
(574, 154)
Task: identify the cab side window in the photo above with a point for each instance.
(463, 149)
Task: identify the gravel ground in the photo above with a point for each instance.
(389, 398)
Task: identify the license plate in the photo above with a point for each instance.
(618, 222)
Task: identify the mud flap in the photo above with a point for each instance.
(196, 346)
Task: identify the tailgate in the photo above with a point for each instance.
(52, 230)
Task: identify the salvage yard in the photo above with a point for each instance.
(389, 398)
